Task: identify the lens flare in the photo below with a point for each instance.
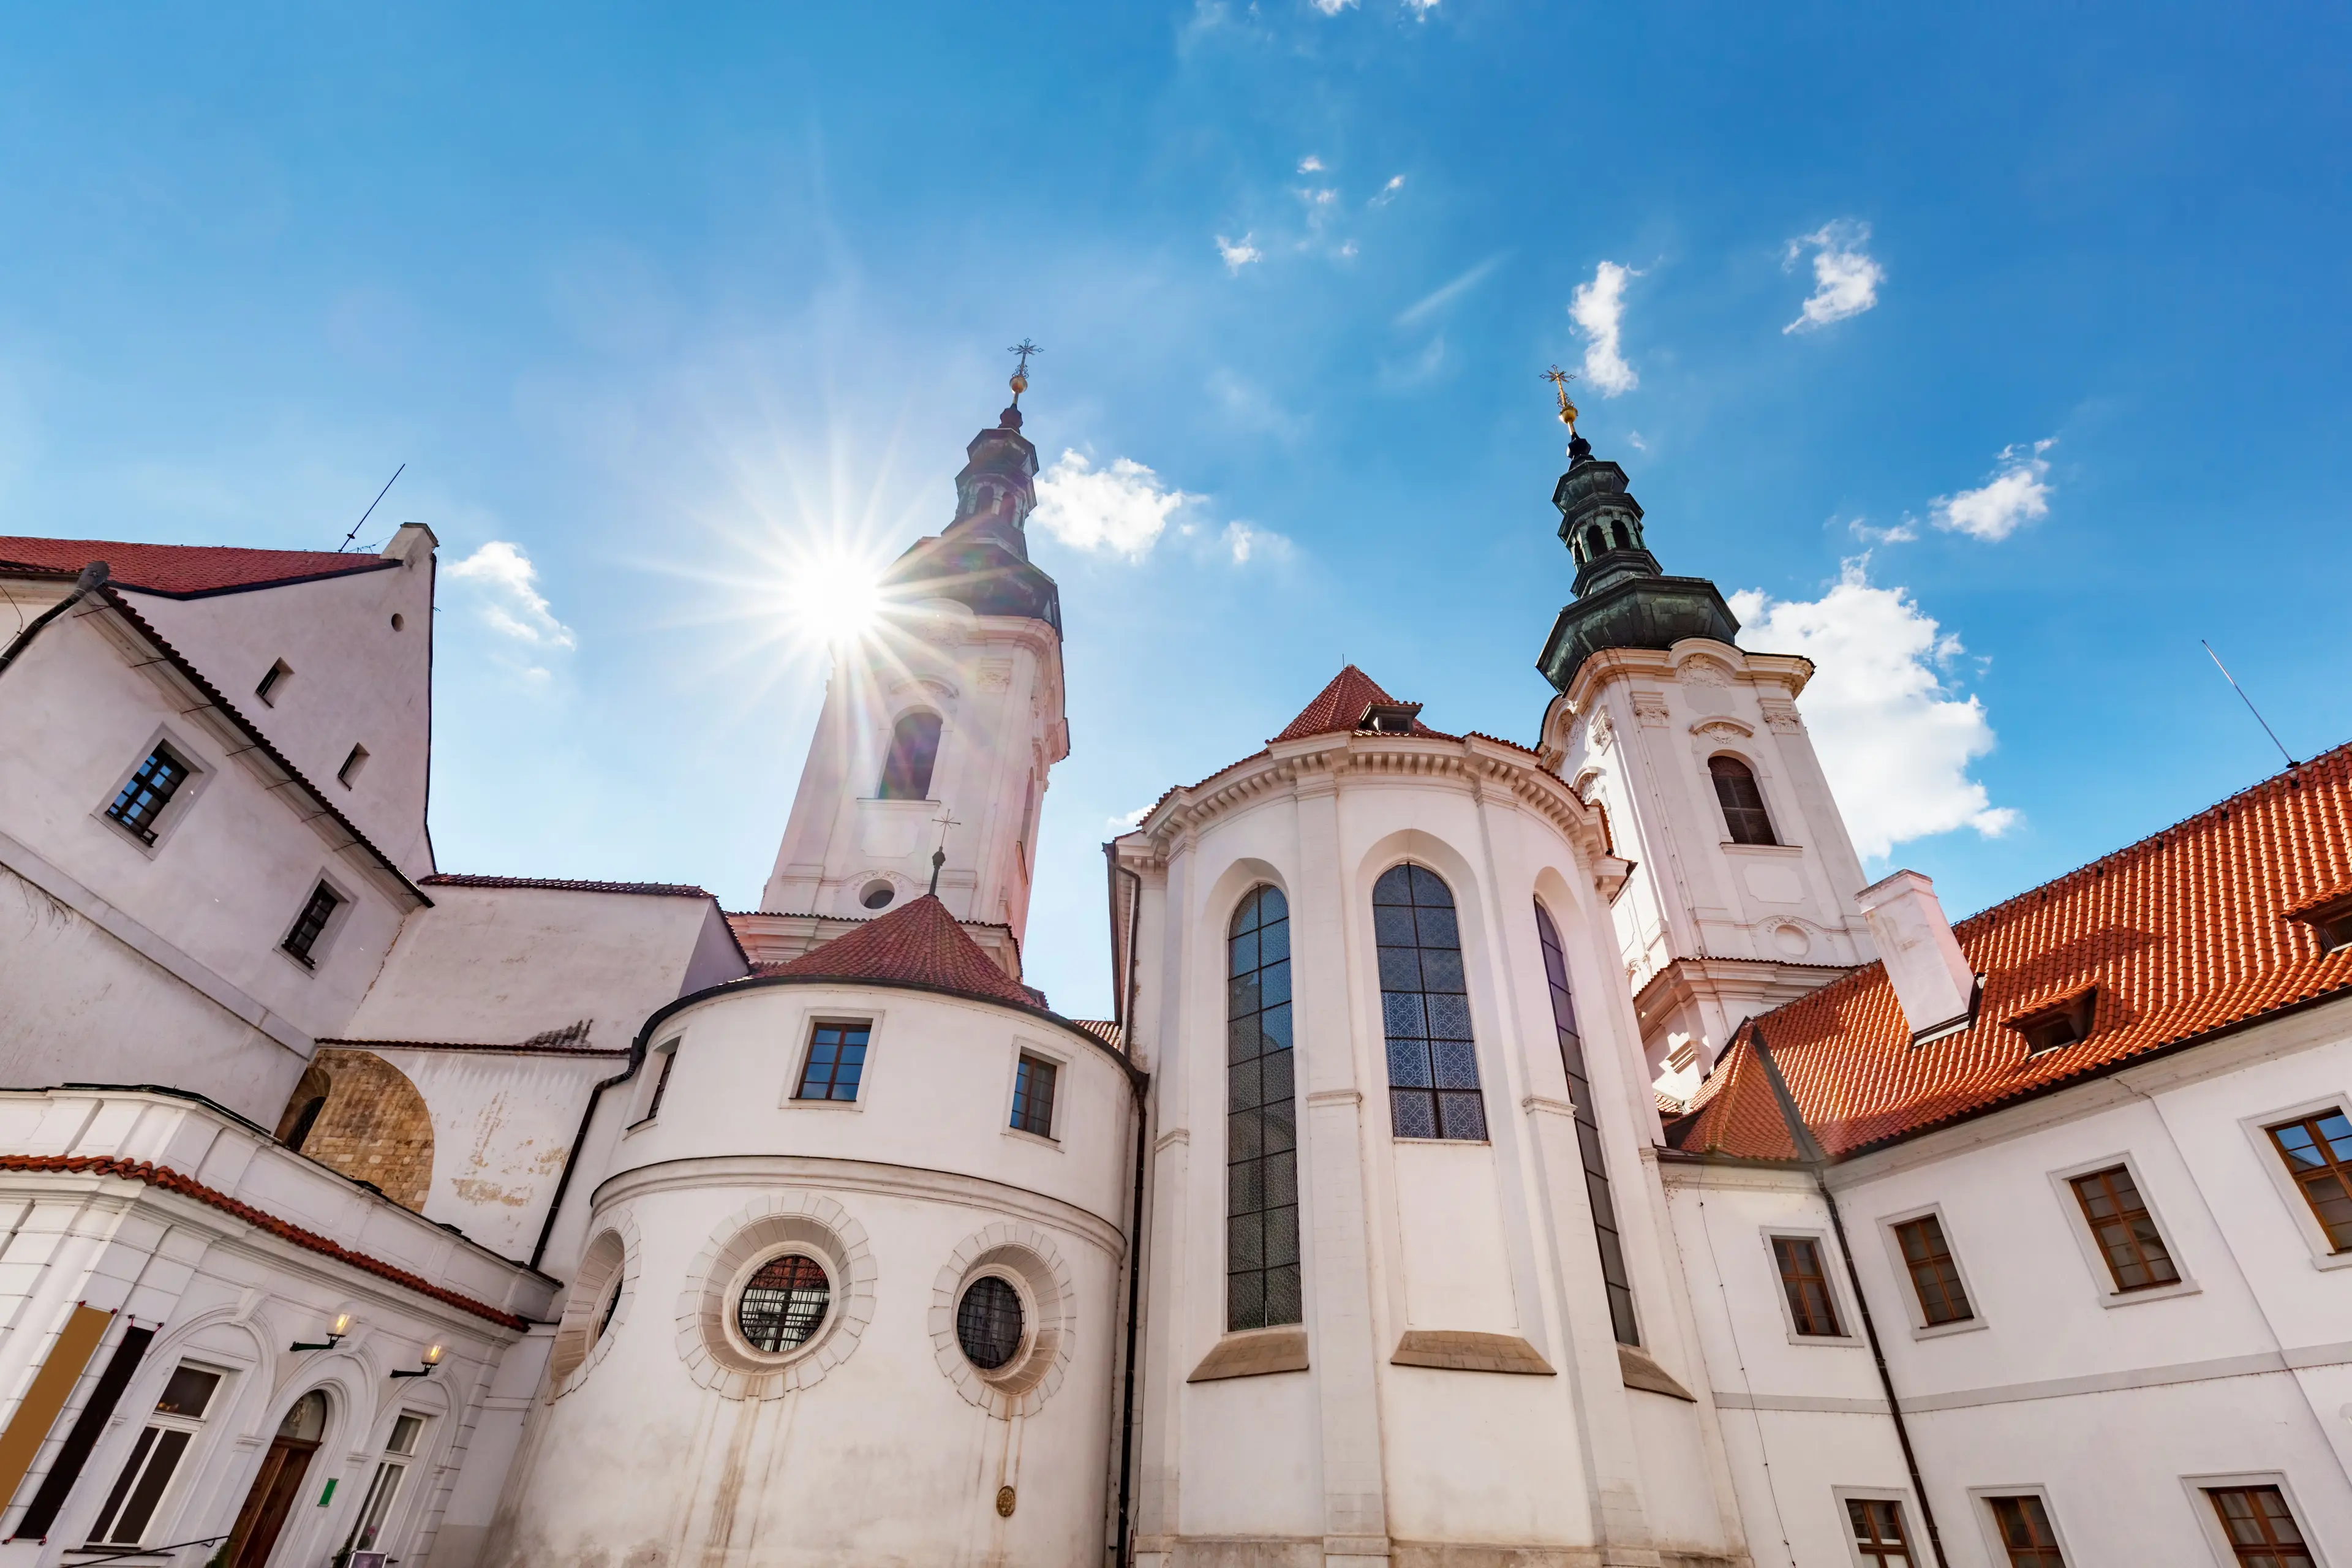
(832, 597)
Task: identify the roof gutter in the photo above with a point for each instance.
(1816, 1160)
(94, 576)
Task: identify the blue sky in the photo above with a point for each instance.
(650, 299)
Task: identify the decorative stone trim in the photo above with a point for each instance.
(1253, 1352)
(1635, 1368)
(578, 1346)
(809, 1222)
(1458, 1349)
(1027, 1259)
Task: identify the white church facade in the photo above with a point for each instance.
(1554, 1155)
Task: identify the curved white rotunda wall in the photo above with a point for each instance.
(1456, 1382)
(667, 1437)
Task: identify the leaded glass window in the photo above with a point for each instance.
(988, 1323)
(1425, 1008)
(1261, 1119)
(783, 1304)
(1588, 1135)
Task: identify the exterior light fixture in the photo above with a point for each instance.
(432, 1360)
(343, 1325)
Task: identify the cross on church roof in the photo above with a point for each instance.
(1560, 380)
(1020, 384)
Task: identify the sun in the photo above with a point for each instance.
(832, 597)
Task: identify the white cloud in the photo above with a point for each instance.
(1332, 7)
(1318, 196)
(506, 594)
(1633, 439)
(1597, 308)
(1311, 165)
(1901, 533)
(2018, 493)
(1131, 821)
(1121, 509)
(1422, 8)
(1238, 253)
(1845, 281)
(1894, 740)
(1388, 192)
(1247, 542)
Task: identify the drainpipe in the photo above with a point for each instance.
(587, 1117)
(1816, 1160)
(92, 578)
(1124, 1001)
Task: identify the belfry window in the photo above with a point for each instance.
(914, 749)
(1588, 1135)
(1744, 815)
(1262, 1286)
(1425, 1008)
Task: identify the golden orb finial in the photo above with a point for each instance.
(1019, 381)
(1560, 380)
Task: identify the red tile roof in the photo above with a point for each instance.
(916, 944)
(1340, 706)
(171, 1181)
(1104, 1029)
(655, 890)
(2186, 935)
(182, 571)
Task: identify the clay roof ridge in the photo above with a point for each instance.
(919, 942)
(567, 885)
(164, 1176)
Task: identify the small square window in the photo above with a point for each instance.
(139, 807)
(303, 942)
(837, 1060)
(668, 1059)
(1811, 1306)
(271, 682)
(2331, 923)
(1032, 1096)
(2317, 1150)
(1934, 1275)
(1878, 1538)
(350, 771)
(2124, 1231)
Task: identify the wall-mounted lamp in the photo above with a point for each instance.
(334, 1335)
(432, 1360)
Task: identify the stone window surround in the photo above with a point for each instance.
(2298, 1206)
(660, 1060)
(201, 773)
(790, 1221)
(1904, 1287)
(2078, 1226)
(1914, 1538)
(2208, 1519)
(1060, 1060)
(1027, 1259)
(575, 1330)
(805, 1026)
(1996, 1550)
(1832, 1280)
(323, 948)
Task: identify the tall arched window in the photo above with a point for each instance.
(914, 747)
(1425, 1008)
(1588, 1135)
(1743, 803)
(1261, 1119)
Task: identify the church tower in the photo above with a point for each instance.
(931, 754)
(1743, 893)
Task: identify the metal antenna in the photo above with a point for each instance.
(2249, 703)
(354, 534)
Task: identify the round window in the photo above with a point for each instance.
(877, 895)
(988, 1323)
(783, 1305)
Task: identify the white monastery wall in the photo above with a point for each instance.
(356, 681)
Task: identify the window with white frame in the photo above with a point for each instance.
(1879, 1540)
(665, 1058)
(1033, 1095)
(1805, 1287)
(2022, 1524)
(155, 1459)
(383, 1487)
(2124, 1231)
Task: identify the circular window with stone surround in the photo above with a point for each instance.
(1005, 1296)
(779, 1298)
(603, 1288)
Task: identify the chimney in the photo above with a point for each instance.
(1931, 976)
(413, 540)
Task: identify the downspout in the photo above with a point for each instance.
(93, 577)
(1816, 1160)
(1123, 1001)
(563, 1181)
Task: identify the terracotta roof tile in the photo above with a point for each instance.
(171, 1181)
(918, 943)
(2184, 934)
(182, 571)
(655, 890)
(1340, 706)
(1104, 1029)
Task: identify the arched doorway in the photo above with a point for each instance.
(278, 1485)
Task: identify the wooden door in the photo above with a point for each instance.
(271, 1500)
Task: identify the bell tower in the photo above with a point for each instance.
(929, 768)
(1743, 893)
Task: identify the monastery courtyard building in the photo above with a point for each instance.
(1541, 1154)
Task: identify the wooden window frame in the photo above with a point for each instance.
(2054, 1026)
(2330, 922)
(2094, 1257)
(2297, 1204)
(1890, 1229)
(1841, 1308)
(1908, 1517)
(1029, 1051)
(797, 1092)
(1997, 1549)
(186, 1465)
(2209, 1517)
(1724, 808)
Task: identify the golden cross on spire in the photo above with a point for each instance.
(1020, 382)
(1560, 380)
